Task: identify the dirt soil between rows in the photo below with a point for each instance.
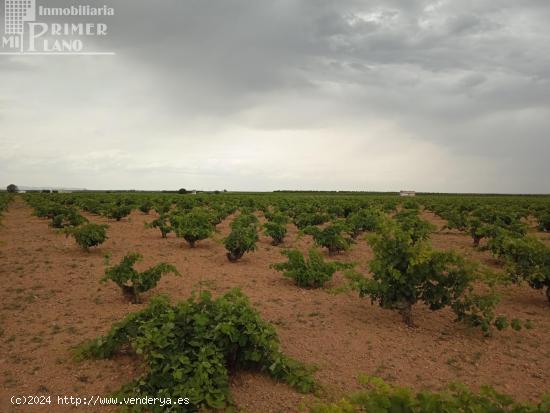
(51, 300)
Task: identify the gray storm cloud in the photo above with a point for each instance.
(253, 95)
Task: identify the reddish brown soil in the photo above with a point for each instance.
(52, 300)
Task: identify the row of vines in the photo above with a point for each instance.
(193, 347)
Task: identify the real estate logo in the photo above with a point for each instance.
(16, 13)
(26, 34)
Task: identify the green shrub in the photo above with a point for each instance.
(133, 283)
(331, 237)
(146, 206)
(241, 240)
(544, 222)
(244, 220)
(311, 272)
(405, 271)
(484, 222)
(118, 211)
(277, 217)
(49, 209)
(91, 205)
(417, 228)
(411, 204)
(456, 219)
(276, 231)
(478, 230)
(88, 235)
(5, 199)
(58, 221)
(527, 259)
(194, 226)
(217, 215)
(379, 397)
(68, 218)
(305, 219)
(162, 207)
(162, 224)
(190, 350)
(364, 220)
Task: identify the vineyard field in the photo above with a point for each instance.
(52, 299)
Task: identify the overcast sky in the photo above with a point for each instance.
(448, 96)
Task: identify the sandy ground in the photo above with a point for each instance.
(52, 300)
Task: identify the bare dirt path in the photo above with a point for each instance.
(51, 300)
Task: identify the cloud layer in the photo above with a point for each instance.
(247, 95)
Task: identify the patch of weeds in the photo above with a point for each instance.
(30, 298)
(9, 379)
(60, 360)
(83, 379)
(476, 357)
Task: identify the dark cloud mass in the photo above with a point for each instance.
(260, 95)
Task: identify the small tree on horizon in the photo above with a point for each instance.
(12, 188)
